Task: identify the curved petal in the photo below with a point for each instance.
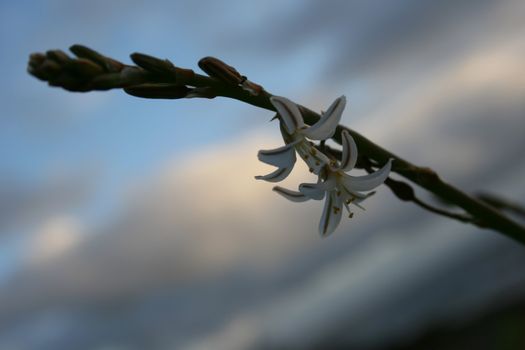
(289, 112)
(314, 191)
(276, 176)
(293, 196)
(349, 156)
(368, 182)
(280, 157)
(354, 195)
(325, 127)
(317, 191)
(332, 213)
(355, 198)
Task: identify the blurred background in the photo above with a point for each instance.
(137, 224)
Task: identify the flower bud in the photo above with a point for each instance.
(251, 87)
(48, 69)
(107, 63)
(152, 64)
(84, 68)
(401, 189)
(158, 91)
(58, 56)
(215, 68)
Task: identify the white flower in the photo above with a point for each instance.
(338, 187)
(296, 134)
(283, 158)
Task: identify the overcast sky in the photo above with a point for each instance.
(132, 224)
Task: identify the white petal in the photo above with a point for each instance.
(282, 157)
(294, 196)
(276, 176)
(331, 214)
(368, 182)
(325, 127)
(314, 191)
(354, 195)
(289, 112)
(355, 198)
(317, 191)
(349, 157)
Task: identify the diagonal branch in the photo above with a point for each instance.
(157, 78)
(502, 203)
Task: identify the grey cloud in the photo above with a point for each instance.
(363, 39)
(24, 203)
(149, 278)
(182, 252)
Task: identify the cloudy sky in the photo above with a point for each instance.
(133, 224)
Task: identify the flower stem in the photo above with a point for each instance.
(93, 71)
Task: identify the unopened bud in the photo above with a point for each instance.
(251, 87)
(36, 59)
(107, 63)
(84, 68)
(158, 91)
(152, 64)
(133, 76)
(58, 56)
(50, 68)
(69, 82)
(401, 189)
(216, 68)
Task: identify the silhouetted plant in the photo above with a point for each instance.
(156, 78)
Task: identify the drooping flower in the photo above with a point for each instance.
(337, 187)
(283, 158)
(295, 135)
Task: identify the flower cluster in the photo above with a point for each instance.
(334, 184)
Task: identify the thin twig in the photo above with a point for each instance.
(405, 192)
(502, 204)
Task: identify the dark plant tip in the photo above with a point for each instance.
(84, 68)
(76, 46)
(36, 58)
(151, 63)
(138, 58)
(158, 91)
(108, 64)
(58, 56)
(80, 50)
(34, 72)
(216, 68)
(51, 68)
